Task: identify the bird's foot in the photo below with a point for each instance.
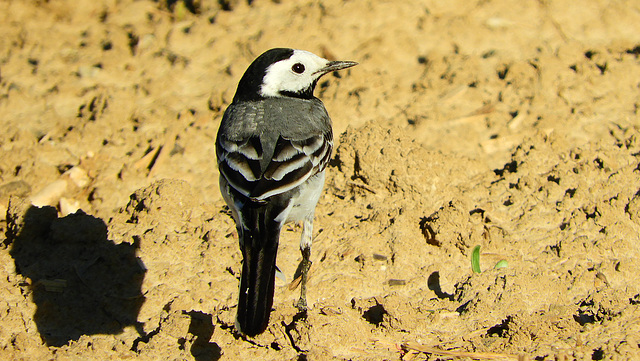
(302, 304)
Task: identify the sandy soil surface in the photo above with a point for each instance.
(509, 125)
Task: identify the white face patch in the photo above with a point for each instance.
(286, 75)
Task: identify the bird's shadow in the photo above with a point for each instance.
(81, 282)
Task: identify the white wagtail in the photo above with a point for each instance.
(273, 146)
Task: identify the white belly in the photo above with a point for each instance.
(304, 204)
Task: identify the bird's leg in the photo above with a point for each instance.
(306, 263)
(305, 249)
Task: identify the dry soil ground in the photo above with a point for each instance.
(512, 125)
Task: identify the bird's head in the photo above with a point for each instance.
(285, 73)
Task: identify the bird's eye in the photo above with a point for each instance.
(298, 68)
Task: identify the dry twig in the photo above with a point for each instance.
(410, 345)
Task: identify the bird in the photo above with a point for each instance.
(273, 145)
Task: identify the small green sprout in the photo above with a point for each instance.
(475, 261)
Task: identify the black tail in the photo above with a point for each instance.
(259, 248)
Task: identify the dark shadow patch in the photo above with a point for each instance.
(433, 282)
(583, 318)
(375, 314)
(428, 232)
(500, 329)
(293, 333)
(510, 167)
(202, 328)
(463, 307)
(634, 51)
(598, 354)
(82, 283)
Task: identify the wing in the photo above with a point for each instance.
(259, 159)
(291, 164)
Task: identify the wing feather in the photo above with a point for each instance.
(260, 161)
(292, 163)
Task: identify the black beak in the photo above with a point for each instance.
(335, 65)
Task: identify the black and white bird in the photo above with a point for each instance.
(273, 146)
